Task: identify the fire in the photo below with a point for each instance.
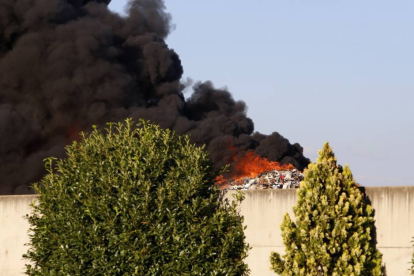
(251, 165)
(73, 133)
(220, 180)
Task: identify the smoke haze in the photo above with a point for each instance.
(68, 64)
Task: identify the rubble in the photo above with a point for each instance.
(274, 179)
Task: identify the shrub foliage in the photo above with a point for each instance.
(412, 261)
(334, 229)
(134, 200)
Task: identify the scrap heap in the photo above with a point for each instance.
(251, 171)
(273, 179)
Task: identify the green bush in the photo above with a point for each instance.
(334, 230)
(412, 259)
(135, 200)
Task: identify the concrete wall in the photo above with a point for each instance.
(263, 211)
(13, 233)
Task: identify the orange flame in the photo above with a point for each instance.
(220, 179)
(74, 133)
(251, 165)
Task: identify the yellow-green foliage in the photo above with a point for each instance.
(134, 201)
(412, 261)
(334, 229)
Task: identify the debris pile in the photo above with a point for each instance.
(274, 179)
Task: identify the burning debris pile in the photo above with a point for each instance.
(255, 172)
(267, 180)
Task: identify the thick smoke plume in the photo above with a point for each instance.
(68, 64)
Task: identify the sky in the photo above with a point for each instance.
(315, 71)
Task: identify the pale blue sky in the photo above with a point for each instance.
(314, 70)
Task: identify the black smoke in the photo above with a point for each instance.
(68, 64)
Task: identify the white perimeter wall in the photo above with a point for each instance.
(13, 233)
(263, 212)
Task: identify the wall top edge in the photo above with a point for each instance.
(252, 191)
(18, 196)
(370, 188)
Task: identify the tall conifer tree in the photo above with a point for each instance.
(334, 229)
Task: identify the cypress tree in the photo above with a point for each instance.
(334, 229)
(412, 262)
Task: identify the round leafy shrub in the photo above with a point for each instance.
(134, 200)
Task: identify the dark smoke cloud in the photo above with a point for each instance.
(68, 64)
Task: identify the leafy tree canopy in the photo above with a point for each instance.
(133, 200)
